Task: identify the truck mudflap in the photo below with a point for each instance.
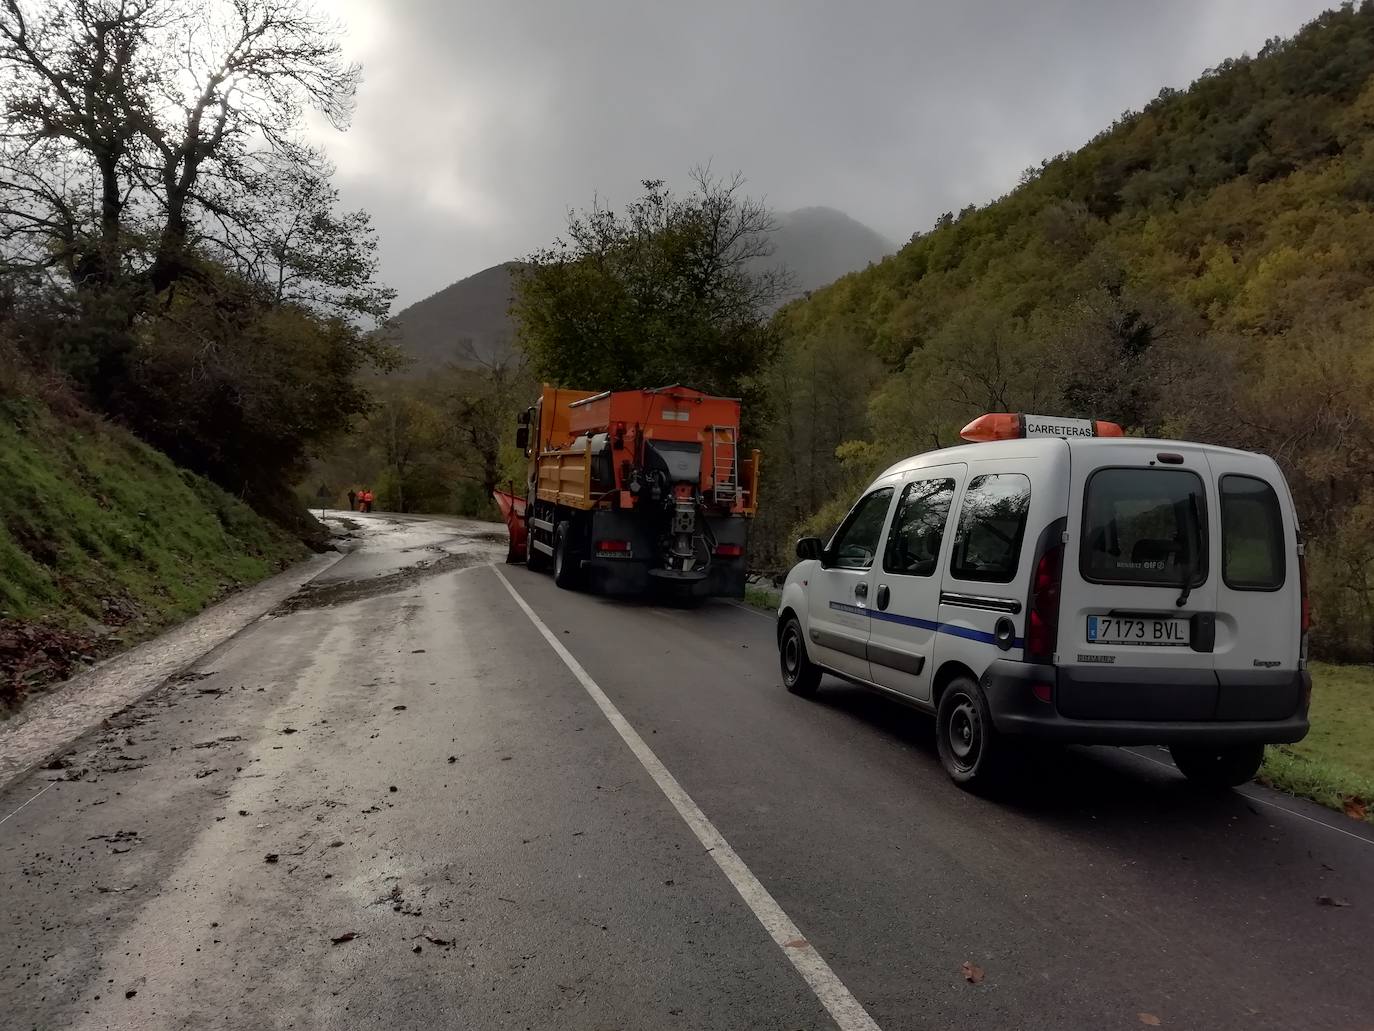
(1139, 706)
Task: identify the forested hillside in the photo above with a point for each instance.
(1204, 268)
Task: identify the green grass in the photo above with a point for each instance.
(97, 529)
(762, 598)
(1335, 761)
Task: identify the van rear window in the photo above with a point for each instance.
(1252, 552)
(1143, 526)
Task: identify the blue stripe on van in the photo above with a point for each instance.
(967, 633)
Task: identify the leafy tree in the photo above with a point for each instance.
(144, 137)
(668, 291)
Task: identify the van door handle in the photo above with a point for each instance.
(883, 596)
(861, 590)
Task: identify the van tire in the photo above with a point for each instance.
(566, 569)
(971, 751)
(799, 674)
(1218, 766)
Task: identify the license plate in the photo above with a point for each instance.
(1138, 630)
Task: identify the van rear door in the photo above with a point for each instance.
(1259, 591)
(1139, 595)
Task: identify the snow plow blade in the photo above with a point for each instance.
(513, 512)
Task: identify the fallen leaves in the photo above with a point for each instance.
(1148, 1019)
(972, 972)
(1355, 807)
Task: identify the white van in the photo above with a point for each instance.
(1057, 580)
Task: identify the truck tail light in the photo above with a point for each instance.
(612, 545)
(1042, 620)
(729, 550)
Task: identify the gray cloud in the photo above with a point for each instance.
(480, 122)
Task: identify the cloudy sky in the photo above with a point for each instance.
(480, 122)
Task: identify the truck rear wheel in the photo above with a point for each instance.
(1218, 766)
(566, 569)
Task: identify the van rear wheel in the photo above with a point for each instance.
(970, 748)
(1218, 766)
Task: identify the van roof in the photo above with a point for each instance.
(1040, 447)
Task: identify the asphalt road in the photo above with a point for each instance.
(393, 804)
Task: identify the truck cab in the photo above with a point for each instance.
(1069, 584)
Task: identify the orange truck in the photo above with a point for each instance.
(629, 490)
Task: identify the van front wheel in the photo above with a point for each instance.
(1218, 766)
(969, 746)
(799, 675)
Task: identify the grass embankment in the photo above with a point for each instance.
(104, 541)
(1333, 765)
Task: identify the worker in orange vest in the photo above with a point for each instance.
(365, 498)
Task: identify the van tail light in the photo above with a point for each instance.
(1042, 620)
(729, 550)
(613, 546)
(1305, 620)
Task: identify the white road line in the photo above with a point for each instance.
(1272, 805)
(41, 790)
(751, 609)
(838, 1001)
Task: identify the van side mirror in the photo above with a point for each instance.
(811, 548)
(525, 417)
(522, 438)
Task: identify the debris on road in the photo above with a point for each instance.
(432, 936)
(271, 857)
(105, 890)
(393, 788)
(347, 936)
(972, 972)
(398, 708)
(1148, 1019)
(452, 758)
(1327, 900)
(288, 730)
(1355, 807)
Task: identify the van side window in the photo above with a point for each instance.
(918, 528)
(992, 522)
(856, 541)
(1144, 526)
(1252, 551)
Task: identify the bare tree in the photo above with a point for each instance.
(140, 135)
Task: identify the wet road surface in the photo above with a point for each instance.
(393, 804)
